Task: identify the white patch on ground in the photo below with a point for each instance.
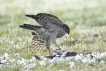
(71, 64)
(30, 63)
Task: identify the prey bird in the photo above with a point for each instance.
(51, 28)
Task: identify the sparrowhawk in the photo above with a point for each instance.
(51, 28)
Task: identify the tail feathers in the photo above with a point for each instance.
(30, 27)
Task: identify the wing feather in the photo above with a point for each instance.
(44, 18)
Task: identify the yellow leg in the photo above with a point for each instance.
(49, 52)
(58, 46)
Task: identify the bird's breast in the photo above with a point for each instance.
(61, 32)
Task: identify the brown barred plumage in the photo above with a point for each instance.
(36, 44)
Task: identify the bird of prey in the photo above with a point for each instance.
(51, 28)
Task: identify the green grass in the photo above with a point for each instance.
(85, 19)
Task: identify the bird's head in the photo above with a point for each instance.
(66, 28)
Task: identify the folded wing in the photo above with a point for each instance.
(43, 19)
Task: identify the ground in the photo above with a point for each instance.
(86, 20)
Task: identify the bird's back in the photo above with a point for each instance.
(43, 19)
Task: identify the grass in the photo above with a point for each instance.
(86, 20)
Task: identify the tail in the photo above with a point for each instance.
(29, 27)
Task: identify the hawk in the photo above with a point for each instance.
(51, 28)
